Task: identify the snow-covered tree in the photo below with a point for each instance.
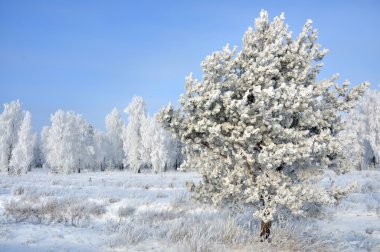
(136, 154)
(89, 156)
(38, 154)
(102, 152)
(69, 143)
(23, 153)
(115, 126)
(10, 122)
(146, 143)
(361, 136)
(43, 143)
(159, 144)
(259, 125)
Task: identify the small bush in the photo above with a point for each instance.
(207, 234)
(55, 182)
(147, 186)
(302, 236)
(126, 211)
(155, 216)
(180, 200)
(18, 190)
(128, 233)
(5, 234)
(113, 200)
(369, 187)
(72, 211)
(161, 195)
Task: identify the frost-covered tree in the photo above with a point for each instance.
(69, 144)
(10, 122)
(43, 143)
(361, 136)
(102, 152)
(38, 154)
(146, 143)
(160, 146)
(89, 155)
(23, 153)
(176, 157)
(259, 125)
(115, 126)
(136, 156)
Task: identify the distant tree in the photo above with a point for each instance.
(103, 157)
(10, 122)
(361, 137)
(115, 126)
(69, 143)
(136, 155)
(259, 126)
(38, 154)
(159, 144)
(43, 143)
(177, 155)
(89, 156)
(23, 153)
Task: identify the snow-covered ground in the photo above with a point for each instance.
(122, 211)
(357, 218)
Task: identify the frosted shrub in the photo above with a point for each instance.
(129, 233)
(18, 190)
(113, 200)
(180, 200)
(157, 216)
(71, 211)
(206, 234)
(302, 236)
(5, 234)
(369, 187)
(124, 212)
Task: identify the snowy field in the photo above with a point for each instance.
(122, 211)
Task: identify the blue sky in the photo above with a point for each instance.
(91, 56)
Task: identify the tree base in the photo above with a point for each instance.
(265, 230)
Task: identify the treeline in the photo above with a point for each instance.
(70, 144)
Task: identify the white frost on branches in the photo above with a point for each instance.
(114, 126)
(162, 149)
(146, 143)
(69, 143)
(17, 141)
(23, 153)
(259, 125)
(361, 136)
(136, 154)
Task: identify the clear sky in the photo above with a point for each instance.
(91, 56)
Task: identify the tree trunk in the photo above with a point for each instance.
(9, 158)
(265, 230)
